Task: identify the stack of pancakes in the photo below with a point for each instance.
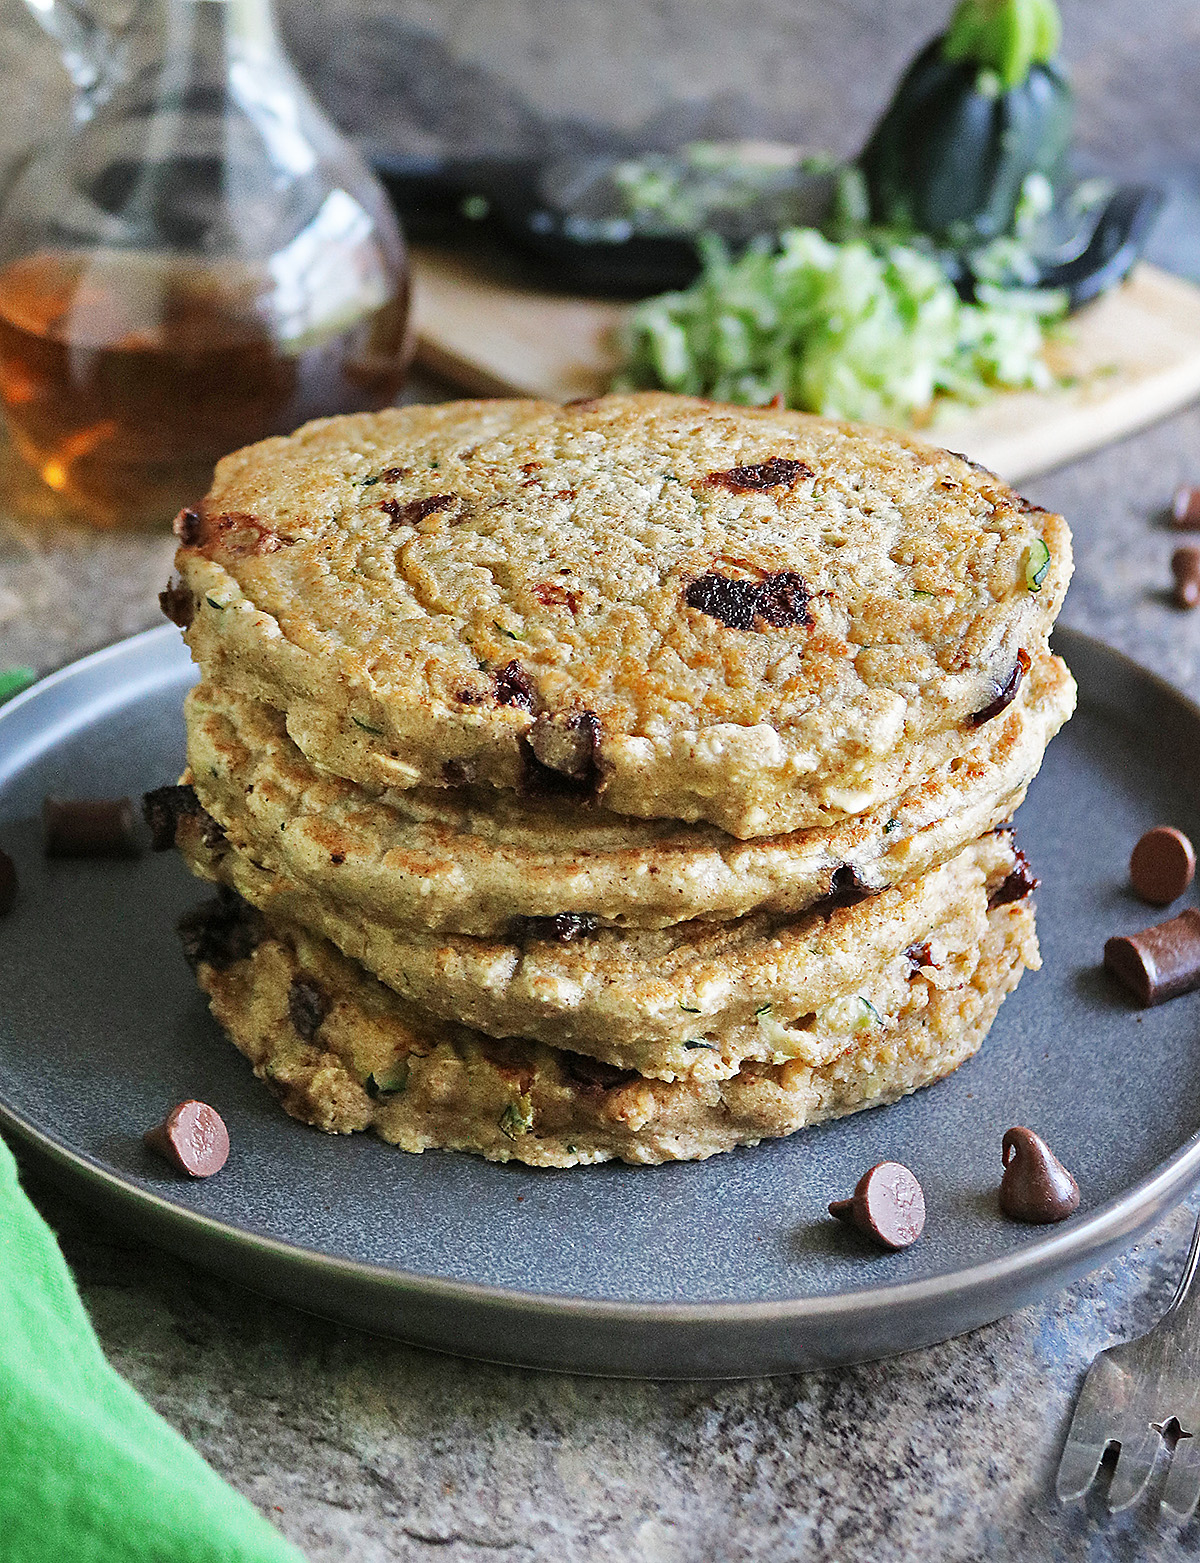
(629, 778)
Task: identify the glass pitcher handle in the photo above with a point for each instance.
(90, 38)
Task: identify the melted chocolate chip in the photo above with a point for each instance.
(408, 514)
(187, 527)
(562, 928)
(178, 604)
(1036, 1187)
(594, 1075)
(193, 1138)
(733, 602)
(514, 687)
(773, 473)
(1006, 693)
(779, 600)
(240, 534)
(783, 600)
(212, 832)
(219, 933)
(562, 758)
(307, 1005)
(1022, 881)
(162, 810)
(888, 1205)
(846, 888)
(553, 594)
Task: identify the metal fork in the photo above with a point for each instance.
(1137, 1395)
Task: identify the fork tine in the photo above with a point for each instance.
(1134, 1467)
(1182, 1492)
(1093, 1428)
(1077, 1469)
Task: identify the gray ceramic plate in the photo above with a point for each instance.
(718, 1268)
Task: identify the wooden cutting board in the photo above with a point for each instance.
(1129, 358)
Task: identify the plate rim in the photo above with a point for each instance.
(1077, 1247)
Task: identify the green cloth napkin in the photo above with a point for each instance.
(88, 1472)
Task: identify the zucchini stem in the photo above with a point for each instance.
(1007, 37)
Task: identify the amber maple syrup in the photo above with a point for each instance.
(124, 378)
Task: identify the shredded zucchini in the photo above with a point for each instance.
(862, 329)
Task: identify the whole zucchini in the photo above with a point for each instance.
(980, 109)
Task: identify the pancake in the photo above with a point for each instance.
(436, 860)
(696, 1000)
(679, 609)
(343, 1052)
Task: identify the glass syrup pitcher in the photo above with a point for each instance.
(200, 260)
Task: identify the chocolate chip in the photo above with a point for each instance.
(562, 928)
(221, 932)
(163, 808)
(888, 1205)
(178, 604)
(1162, 865)
(408, 514)
(918, 955)
(8, 884)
(1185, 508)
(553, 594)
(1160, 962)
(1022, 881)
(192, 1138)
(394, 474)
(514, 687)
(779, 600)
(846, 888)
(89, 827)
(594, 1075)
(307, 1005)
(562, 756)
(1006, 693)
(242, 535)
(187, 526)
(1036, 1187)
(783, 600)
(1185, 567)
(773, 473)
(734, 602)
